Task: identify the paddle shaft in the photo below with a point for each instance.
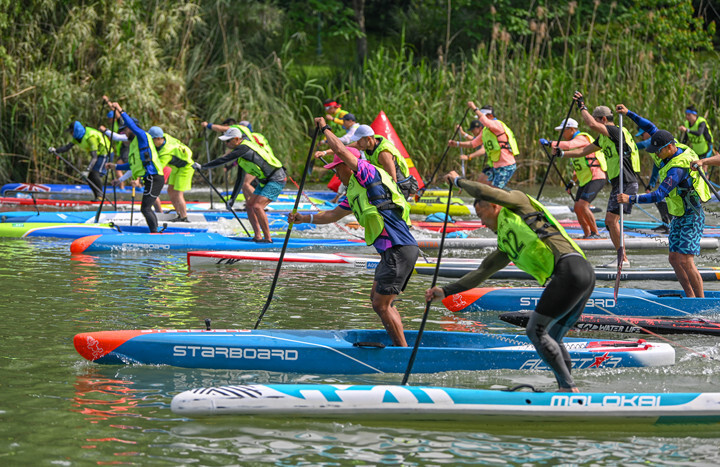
(442, 158)
(227, 202)
(552, 158)
(568, 185)
(75, 169)
(434, 282)
(132, 204)
(209, 180)
(289, 228)
(108, 150)
(621, 249)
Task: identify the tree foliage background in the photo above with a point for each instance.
(176, 63)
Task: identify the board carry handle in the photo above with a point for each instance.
(376, 345)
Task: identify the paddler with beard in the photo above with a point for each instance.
(380, 207)
(529, 236)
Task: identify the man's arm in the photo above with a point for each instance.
(215, 127)
(587, 116)
(589, 149)
(322, 217)
(387, 161)
(336, 145)
(492, 263)
(642, 123)
(509, 199)
(235, 154)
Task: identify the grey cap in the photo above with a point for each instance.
(361, 132)
(156, 132)
(230, 134)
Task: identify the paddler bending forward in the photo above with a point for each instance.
(530, 236)
(379, 206)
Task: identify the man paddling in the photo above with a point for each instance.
(379, 206)
(178, 157)
(255, 164)
(530, 236)
(589, 170)
(601, 121)
(684, 191)
(143, 161)
(97, 145)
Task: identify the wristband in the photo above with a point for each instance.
(326, 127)
(632, 199)
(209, 126)
(312, 218)
(455, 182)
(457, 143)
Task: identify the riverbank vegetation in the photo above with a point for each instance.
(177, 63)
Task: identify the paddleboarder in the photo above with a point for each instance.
(601, 121)
(498, 142)
(590, 171)
(474, 143)
(697, 134)
(661, 206)
(255, 163)
(381, 208)
(383, 154)
(143, 161)
(350, 125)
(530, 236)
(178, 157)
(97, 145)
(244, 126)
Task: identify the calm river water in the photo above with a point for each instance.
(58, 409)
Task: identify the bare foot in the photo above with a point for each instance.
(573, 389)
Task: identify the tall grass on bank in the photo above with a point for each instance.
(175, 64)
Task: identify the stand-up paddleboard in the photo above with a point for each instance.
(637, 243)
(215, 258)
(59, 230)
(394, 403)
(629, 324)
(353, 351)
(630, 302)
(129, 242)
(455, 269)
(11, 188)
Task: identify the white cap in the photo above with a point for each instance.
(231, 133)
(571, 123)
(361, 132)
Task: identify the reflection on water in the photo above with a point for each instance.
(59, 409)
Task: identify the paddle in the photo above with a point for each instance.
(207, 151)
(420, 192)
(290, 226)
(552, 158)
(704, 177)
(132, 204)
(82, 176)
(227, 202)
(568, 185)
(621, 250)
(434, 282)
(107, 171)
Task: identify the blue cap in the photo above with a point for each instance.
(78, 131)
(349, 116)
(156, 132)
(640, 132)
(111, 114)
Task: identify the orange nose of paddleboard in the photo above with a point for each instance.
(94, 345)
(81, 244)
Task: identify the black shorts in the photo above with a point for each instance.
(408, 186)
(613, 206)
(590, 190)
(397, 264)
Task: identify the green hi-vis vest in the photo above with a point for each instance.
(611, 153)
(137, 165)
(582, 165)
(174, 153)
(368, 214)
(524, 245)
(94, 140)
(254, 169)
(698, 143)
(493, 146)
(117, 146)
(256, 137)
(675, 199)
(401, 167)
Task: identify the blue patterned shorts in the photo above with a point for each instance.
(271, 190)
(499, 176)
(686, 232)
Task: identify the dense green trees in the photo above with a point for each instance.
(176, 63)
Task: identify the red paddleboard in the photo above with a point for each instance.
(382, 126)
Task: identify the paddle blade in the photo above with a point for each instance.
(620, 258)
